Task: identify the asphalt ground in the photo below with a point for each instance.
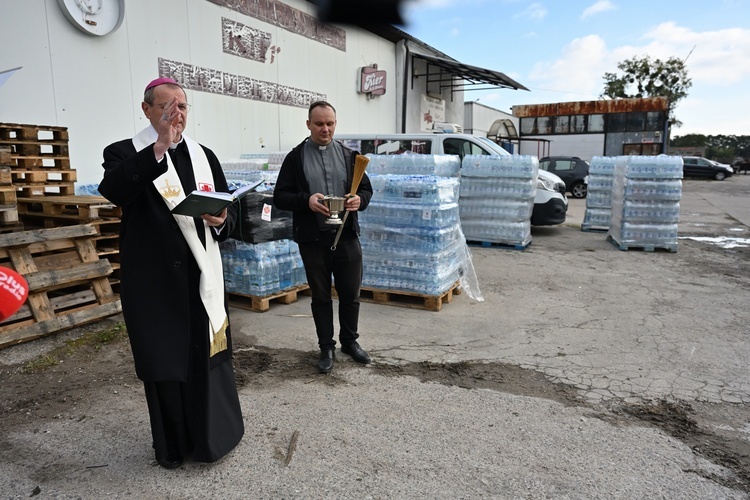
(585, 372)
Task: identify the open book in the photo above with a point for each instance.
(198, 202)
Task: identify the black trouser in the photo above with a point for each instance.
(345, 265)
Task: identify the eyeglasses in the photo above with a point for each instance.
(184, 107)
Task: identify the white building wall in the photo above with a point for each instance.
(584, 146)
(478, 118)
(94, 85)
(453, 100)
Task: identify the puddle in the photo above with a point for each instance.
(721, 241)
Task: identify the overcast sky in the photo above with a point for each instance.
(561, 49)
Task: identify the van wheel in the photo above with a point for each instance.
(720, 176)
(578, 190)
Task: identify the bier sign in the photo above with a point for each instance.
(372, 81)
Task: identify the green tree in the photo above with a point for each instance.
(689, 140)
(717, 146)
(644, 77)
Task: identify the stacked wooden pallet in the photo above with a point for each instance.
(39, 158)
(68, 282)
(44, 188)
(65, 246)
(8, 206)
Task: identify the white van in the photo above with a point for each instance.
(550, 204)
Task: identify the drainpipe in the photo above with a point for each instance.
(406, 87)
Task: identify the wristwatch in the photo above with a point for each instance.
(94, 17)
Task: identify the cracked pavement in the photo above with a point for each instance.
(586, 372)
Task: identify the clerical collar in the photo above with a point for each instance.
(317, 146)
(175, 144)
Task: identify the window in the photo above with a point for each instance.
(562, 124)
(617, 122)
(462, 148)
(544, 125)
(654, 120)
(595, 123)
(635, 122)
(647, 149)
(561, 165)
(544, 164)
(578, 124)
(390, 147)
(528, 125)
(536, 125)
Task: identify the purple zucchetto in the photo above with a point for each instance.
(161, 81)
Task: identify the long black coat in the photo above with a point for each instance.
(158, 271)
(292, 193)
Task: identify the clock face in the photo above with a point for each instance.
(94, 17)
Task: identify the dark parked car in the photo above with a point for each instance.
(741, 166)
(695, 166)
(571, 169)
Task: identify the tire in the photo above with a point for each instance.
(578, 190)
(720, 176)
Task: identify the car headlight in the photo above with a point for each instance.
(546, 184)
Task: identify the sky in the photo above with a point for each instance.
(561, 49)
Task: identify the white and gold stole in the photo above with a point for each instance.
(208, 258)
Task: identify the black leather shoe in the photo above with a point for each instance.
(357, 353)
(169, 463)
(325, 363)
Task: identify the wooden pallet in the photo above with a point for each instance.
(59, 211)
(644, 247)
(594, 229)
(412, 300)
(12, 228)
(12, 132)
(5, 159)
(36, 146)
(80, 208)
(68, 282)
(507, 246)
(48, 175)
(8, 199)
(6, 178)
(263, 304)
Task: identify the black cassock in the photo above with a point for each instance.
(192, 397)
(200, 417)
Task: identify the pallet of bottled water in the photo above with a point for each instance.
(497, 198)
(411, 237)
(262, 269)
(239, 178)
(646, 194)
(87, 190)
(414, 164)
(390, 189)
(599, 194)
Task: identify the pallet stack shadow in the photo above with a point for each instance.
(646, 194)
(599, 194)
(497, 199)
(413, 250)
(261, 261)
(57, 243)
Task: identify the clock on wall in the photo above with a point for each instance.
(94, 17)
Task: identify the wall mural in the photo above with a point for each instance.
(288, 18)
(220, 82)
(241, 40)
